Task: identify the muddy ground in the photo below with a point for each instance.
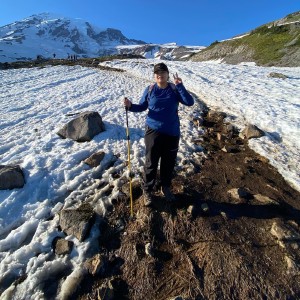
(232, 234)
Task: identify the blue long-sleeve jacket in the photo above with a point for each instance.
(163, 107)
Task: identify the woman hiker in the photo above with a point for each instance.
(162, 129)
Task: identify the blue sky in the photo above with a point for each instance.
(188, 22)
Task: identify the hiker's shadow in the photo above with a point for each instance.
(232, 211)
(255, 211)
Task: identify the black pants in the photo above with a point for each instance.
(163, 147)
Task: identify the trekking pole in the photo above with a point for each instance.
(129, 163)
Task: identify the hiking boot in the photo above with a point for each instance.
(147, 199)
(165, 190)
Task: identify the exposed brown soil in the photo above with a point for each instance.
(229, 251)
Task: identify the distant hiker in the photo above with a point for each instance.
(162, 129)
(54, 55)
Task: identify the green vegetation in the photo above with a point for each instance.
(293, 17)
(214, 43)
(267, 43)
(271, 30)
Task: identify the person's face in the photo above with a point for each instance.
(161, 76)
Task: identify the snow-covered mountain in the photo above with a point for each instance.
(170, 51)
(47, 34)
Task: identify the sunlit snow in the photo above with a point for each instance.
(36, 103)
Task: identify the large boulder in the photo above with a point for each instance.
(83, 128)
(11, 177)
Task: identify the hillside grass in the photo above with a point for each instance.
(293, 17)
(267, 43)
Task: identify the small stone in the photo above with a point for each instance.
(190, 209)
(119, 226)
(198, 121)
(285, 232)
(277, 75)
(226, 149)
(94, 264)
(239, 195)
(220, 137)
(149, 249)
(293, 267)
(95, 159)
(223, 214)
(205, 207)
(62, 247)
(264, 199)
(190, 170)
(252, 131)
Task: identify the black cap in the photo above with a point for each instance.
(161, 67)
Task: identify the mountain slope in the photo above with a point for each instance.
(273, 44)
(45, 34)
(170, 51)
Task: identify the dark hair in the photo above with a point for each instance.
(160, 67)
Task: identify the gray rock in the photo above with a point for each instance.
(62, 247)
(95, 264)
(83, 128)
(95, 159)
(216, 115)
(11, 177)
(229, 130)
(77, 222)
(264, 200)
(277, 75)
(252, 131)
(239, 195)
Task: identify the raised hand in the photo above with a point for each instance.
(177, 80)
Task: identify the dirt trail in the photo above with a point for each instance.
(233, 233)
